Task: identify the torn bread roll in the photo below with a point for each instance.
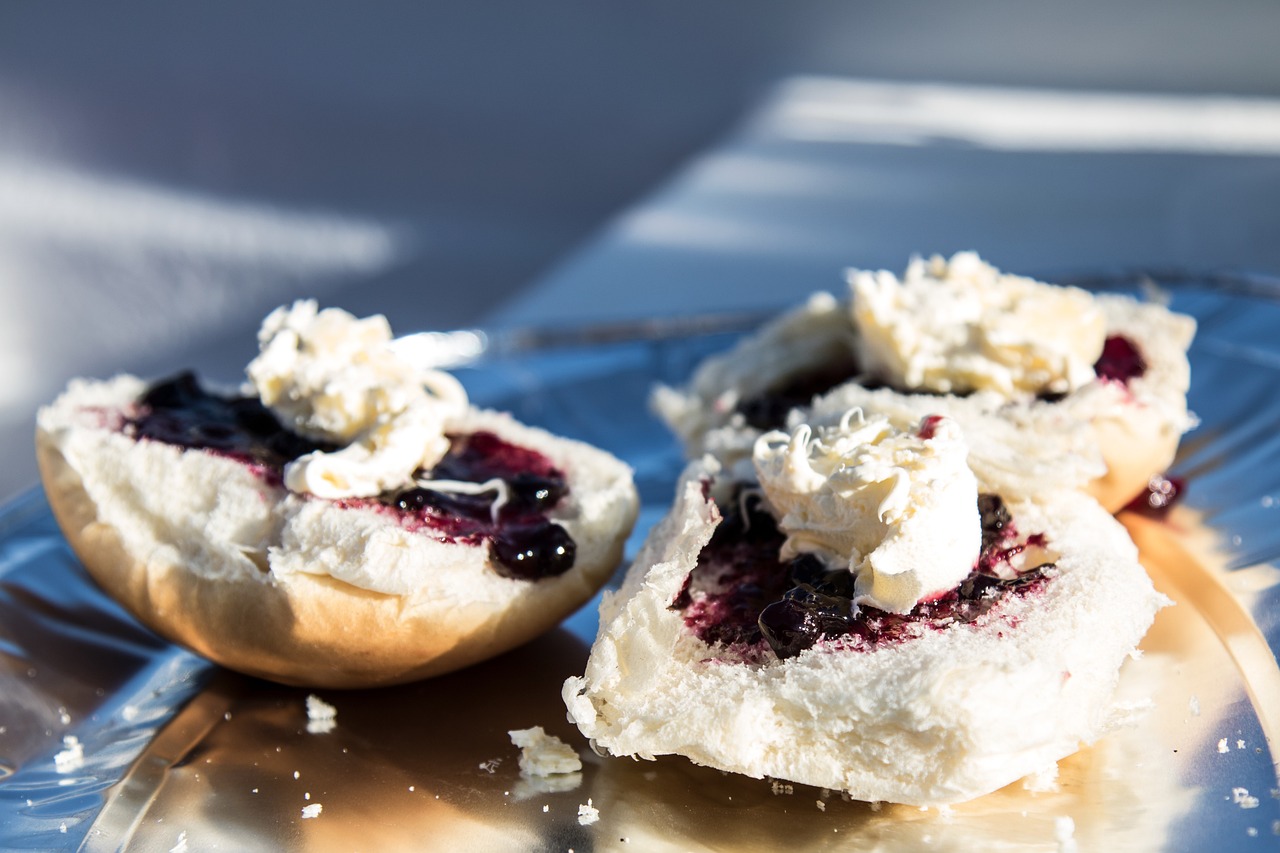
(179, 502)
(744, 639)
(1085, 390)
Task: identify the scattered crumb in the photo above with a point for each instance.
(542, 754)
(1193, 705)
(321, 716)
(491, 765)
(312, 810)
(1239, 744)
(588, 814)
(255, 790)
(781, 788)
(71, 758)
(1252, 832)
(1064, 831)
(1043, 781)
(546, 808)
(62, 827)
(63, 716)
(307, 795)
(822, 807)
(1275, 827)
(1222, 746)
(945, 813)
(297, 774)
(1242, 798)
(876, 806)
(227, 716)
(181, 846)
(411, 787)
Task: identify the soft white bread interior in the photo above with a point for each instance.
(939, 718)
(217, 557)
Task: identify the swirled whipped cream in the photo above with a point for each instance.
(961, 325)
(332, 377)
(898, 509)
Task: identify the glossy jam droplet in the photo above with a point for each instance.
(1120, 360)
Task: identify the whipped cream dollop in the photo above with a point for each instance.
(960, 325)
(333, 377)
(898, 509)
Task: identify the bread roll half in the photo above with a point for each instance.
(213, 553)
(1108, 437)
(941, 712)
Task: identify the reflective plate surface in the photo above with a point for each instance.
(111, 738)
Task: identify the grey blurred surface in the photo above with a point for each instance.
(169, 173)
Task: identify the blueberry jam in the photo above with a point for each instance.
(523, 542)
(1120, 360)
(769, 410)
(178, 411)
(740, 595)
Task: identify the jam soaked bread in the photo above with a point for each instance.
(866, 618)
(351, 522)
(1084, 390)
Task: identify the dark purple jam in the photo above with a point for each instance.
(1120, 360)
(178, 411)
(524, 543)
(769, 410)
(1159, 497)
(741, 595)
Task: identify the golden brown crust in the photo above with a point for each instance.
(312, 629)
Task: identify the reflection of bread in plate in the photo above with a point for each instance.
(952, 711)
(1121, 794)
(1114, 432)
(215, 555)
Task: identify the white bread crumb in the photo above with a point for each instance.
(321, 716)
(1043, 781)
(1222, 746)
(588, 814)
(1064, 830)
(542, 754)
(311, 811)
(1242, 798)
(71, 758)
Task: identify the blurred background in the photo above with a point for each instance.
(170, 172)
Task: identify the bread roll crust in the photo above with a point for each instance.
(214, 556)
